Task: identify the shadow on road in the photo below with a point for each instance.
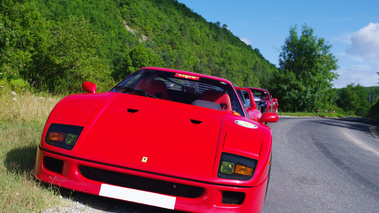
(369, 121)
(360, 124)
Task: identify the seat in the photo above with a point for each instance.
(207, 104)
(217, 97)
(154, 87)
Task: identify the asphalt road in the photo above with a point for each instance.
(324, 165)
(319, 165)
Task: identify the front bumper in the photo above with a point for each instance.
(146, 188)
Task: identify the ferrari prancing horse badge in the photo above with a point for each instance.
(144, 159)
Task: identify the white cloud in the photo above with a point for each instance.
(364, 45)
(364, 75)
(359, 63)
(247, 41)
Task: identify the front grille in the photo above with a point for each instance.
(233, 198)
(141, 183)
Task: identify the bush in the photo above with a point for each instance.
(19, 85)
(4, 86)
(374, 110)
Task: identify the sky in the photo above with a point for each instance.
(350, 26)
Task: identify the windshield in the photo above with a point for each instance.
(200, 91)
(260, 94)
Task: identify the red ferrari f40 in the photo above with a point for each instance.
(166, 138)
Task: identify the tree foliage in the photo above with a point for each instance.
(23, 35)
(70, 59)
(53, 45)
(304, 78)
(48, 55)
(374, 110)
(354, 99)
(373, 94)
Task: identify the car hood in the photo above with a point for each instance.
(152, 135)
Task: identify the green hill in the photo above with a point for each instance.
(60, 43)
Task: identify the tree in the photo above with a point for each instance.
(24, 34)
(374, 110)
(305, 73)
(354, 100)
(70, 59)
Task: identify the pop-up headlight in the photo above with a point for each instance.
(236, 167)
(63, 136)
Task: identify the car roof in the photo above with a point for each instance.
(259, 89)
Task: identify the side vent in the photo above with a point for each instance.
(133, 110)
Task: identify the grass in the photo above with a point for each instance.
(22, 118)
(312, 114)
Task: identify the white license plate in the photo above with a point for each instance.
(138, 196)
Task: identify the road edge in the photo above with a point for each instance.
(374, 132)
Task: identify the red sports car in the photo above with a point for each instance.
(264, 100)
(247, 98)
(165, 138)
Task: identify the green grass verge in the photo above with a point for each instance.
(22, 118)
(312, 114)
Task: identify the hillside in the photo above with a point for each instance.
(104, 41)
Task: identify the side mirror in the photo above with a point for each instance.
(275, 99)
(269, 117)
(89, 87)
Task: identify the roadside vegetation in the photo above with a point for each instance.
(312, 114)
(53, 46)
(22, 117)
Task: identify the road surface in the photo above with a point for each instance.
(324, 165)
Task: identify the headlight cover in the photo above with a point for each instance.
(236, 167)
(63, 136)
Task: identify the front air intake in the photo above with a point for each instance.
(233, 198)
(53, 165)
(141, 183)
